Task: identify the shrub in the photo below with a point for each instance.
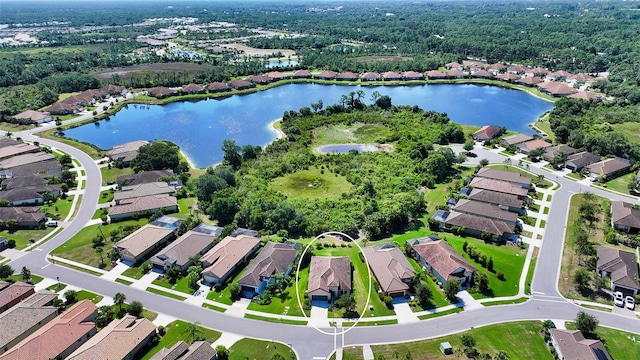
(500, 275)
(161, 330)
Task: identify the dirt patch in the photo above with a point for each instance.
(128, 71)
(384, 59)
(249, 51)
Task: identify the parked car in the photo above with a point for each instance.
(629, 303)
(618, 299)
(51, 223)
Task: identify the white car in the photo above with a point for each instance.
(618, 299)
(629, 303)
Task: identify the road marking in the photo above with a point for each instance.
(538, 293)
(319, 358)
(45, 266)
(38, 249)
(550, 300)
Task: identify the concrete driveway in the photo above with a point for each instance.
(319, 313)
(403, 310)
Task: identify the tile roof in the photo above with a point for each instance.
(142, 239)
(370, 76)
(455, 73)
(347, 75)
(535, 144)
(301, 74)
(181, 250)
(507, 77)
(172, 353)
(530, 80)
(42, 168)
(227, 254)
(22, 181)
(32, 115)
(494, 197)
(504, 175)
(389, 266)
(240, 84)
(485, 209)
(13, 292)
(258, 79)
(17, 149)
(26, 317)
(585, 95)
(143, 177)
(199, 350)
(193, 88)
(435, 74)
(58, 335)
(127, 150)
(609, 166)
(497, 66)
(218, 86)
(160, 91)
(144, 203)
(412, 75)
(477, 223)
(392, 75)
(145, 189)
(274, 258)
(443, 259)
(277, 75)
(487, 132)
(573, 345)
(623, 213)
(516, 139)
(327, 75)
(621, 264)
(25, 159)
(58, 108)
(498, 185)
(118, 340)
(325, 272)
(482, 74)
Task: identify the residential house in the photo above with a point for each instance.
(550, 152)
(532, 145)
(436, 75)
(113, 90)
(486, 210)
(11, 295)
(277, 75)
(508, 77)
(121, 339)
(242, 231)
(477, 226)
(370, 76)
(517, 69)
(515, 139)
(126, 152)
(609, 168)
(326, 75)
(571, 344)
(241, 84)
(302, 74)
(146, 189)
(585, 95)
(560, 74)
(329, 277)
(144, 177)
(412, 75)
(499, 186)
(391, 268)
(540, 72)
(25, 159)
(482, 74)
(63, 109)
(504, 175)
(161, 92)
(392, 76)
(25, 318)
(199, 350)
(170, 222)
(45, 168)
(29, 195)
(58, 338)
(454, 66)
(33, 117)
(443, 262)
(455, 74)
(142, 242)
(556, 88)
(143, 206)
(507, 201)
(486, 132)
(258, 79)
(193, 89)
(347, 76)
(625, 217)
(23, 181)
(529, 81)
(27, 217)
(181, 251)
(17, 149)
(218, 86)
(273, 259)
(577, 161)
(621, 267)
(225, 256)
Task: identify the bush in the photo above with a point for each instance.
(11, 243)
(161, 330)
(500, 275)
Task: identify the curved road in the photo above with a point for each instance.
(546, 303)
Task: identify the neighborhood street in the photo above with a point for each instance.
(546, 302)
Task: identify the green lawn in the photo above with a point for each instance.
(123, 281)
(438, 195)
(134, 272)
(80, 248)
(18, 277)
(185, 205)
(109, 176)
(174, 333)
(440, 313)
(530, 271)
(181, 285)
(620, 344)
(252, 349)
(351, 353)
(287, 301)
(521, 340)
(620, 184)
(505, 302)
(348, 324)
(213, 307)
(87, 295)
(59, 209)
(105, 197)
(348, 134)
(23, 237)
(311, 184)
(276, 320)
(545, 126)
(167, 294)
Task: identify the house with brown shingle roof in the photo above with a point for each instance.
(273, 259)
(577, 161)
(144, 177)
(59, 337)
(392, 270)
(507, 201)
(391, 76)
(329, 277)
(499, 186)
(301, 74)
(443, 262)
(609, 168)
(241, 84)
(146, 189)
(515, 139)
(621, 267)
(17, 149)
(63, 109)
(161, 92)
(347, 76)
(45, 168)
(532, 145)
(199, 350)
(477, 226)
(504, 175)
(180, 252)
(193, 89)
(497, 67)
(225, 256)
(13, 294)
(25, 318)
(529, 81)
(29, 195)
(113, 90)
(540, 72)
(326, 75)
(33, 117)
(25, 159)
(556, 88)
(454, 66)
(121, 339)
(571, 344)
(370, 76)
(550, 152)
(142, 242)
(277, 75)
(143, 206)
(455, 74)
(258, 79)
(412, 75)
(508, 77)
(486, 132)
(624, 217)
(517, 69)
(126, 152)
(486, 210)
(218, 86)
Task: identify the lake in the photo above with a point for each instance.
(199, 127)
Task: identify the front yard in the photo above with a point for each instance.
(24, 238)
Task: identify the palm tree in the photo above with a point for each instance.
(192, 330)
(99, 251)
(119, 299)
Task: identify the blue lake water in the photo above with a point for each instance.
(272, 64)
(200, 127)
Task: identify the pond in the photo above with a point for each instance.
(272, 64)
(199, 127)
(345, 148)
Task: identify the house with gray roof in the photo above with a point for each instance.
(199, 350)
(33, 117)
(476, 226)
(146, 189)
(23, 181)
(25, 318)
(486, 210)
(13, 294)
(30, 195)
(126, 152)
(181, 251)
(625, 217)
(577, 161)
(143, 206)
(226, 256)
(25, 159)
(273, 259)
(621, 267)
(391, 268)
(142, 242)
(609, 168)
(17, 149)
(571, 344)
(329, 277)
(144, 177)
(504, 175)
(499, 186)
(550, 152)
(27, 217)
(506, 201)
(45, 168)
(486, 132)
(443, 261)
(515, 139)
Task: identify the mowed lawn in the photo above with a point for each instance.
(620, 344)
(287, 301)
(312, 184)
(253, 349)
(23, 237)
(521, 341)
(175, 332)
(347, 134)
(621, 183)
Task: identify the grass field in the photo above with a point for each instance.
(59, 209)
(109, 176)
(213, 307)
(276, 320)
(23, 237)
(521, 340)
(18, 277)
(175, 333)
(531, 270)
(438, 195)
(311, 184)
(630, 129)
(620, 184)
(348, 134)
(257, 349)
(181, 285)
(87, 295)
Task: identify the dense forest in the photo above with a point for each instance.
(386, 187)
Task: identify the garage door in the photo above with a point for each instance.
(319, 297)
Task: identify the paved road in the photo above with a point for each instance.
(308, 342)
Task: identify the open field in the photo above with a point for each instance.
(23, 237)
(630, 129)
(109, 175)
(521, 340)
(312, 184)
(620, 184)
(258, 349)
(347, 134)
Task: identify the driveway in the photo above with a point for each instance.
(319, 313)
(403, 310)
(623, 311)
